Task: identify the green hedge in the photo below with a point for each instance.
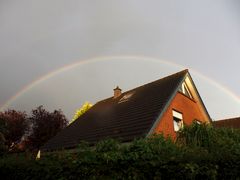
(211, 154)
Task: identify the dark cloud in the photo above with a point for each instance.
(38, 37)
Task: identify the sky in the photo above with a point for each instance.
(42, 36)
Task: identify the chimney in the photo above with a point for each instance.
(117, 92)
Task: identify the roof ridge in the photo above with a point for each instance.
(165, 77)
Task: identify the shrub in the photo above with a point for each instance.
(214, 155)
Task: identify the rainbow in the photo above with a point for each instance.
(107, 58)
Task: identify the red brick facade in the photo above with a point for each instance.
(188, 107)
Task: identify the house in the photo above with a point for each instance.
(227, 123)
(162, 106)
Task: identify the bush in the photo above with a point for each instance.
(210, 154)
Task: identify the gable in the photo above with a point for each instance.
(185, 99)
(197, 98)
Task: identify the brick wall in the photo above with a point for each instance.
(188, 107)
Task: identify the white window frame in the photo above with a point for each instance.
(177, 120)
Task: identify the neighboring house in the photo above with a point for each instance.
(162, 106)
(227, 123)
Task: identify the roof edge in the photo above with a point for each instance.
(201, 101)
(158, 119)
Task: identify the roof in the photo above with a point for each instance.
(129, 116)
(229, 123)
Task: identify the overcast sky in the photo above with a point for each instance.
(38, 37)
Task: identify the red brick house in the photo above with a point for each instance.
(162, 106)
(228, 123)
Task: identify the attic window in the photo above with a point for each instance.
(177, 120)
(125, 98)
(184, 89)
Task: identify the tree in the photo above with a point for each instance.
(3, 147)
(85, 107)
(13, 126)
(45, 125)
(3, 124)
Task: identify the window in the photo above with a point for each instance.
(184, 89)
(126, 97)
(197, 121)
(177, 120)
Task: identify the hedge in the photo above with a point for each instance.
(211, 154)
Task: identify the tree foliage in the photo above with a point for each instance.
(13, 126)
(3, 147)
(207, 137)
(197, 135)
(45, 125)
(85, 107)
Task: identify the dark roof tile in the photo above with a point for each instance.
(125, 117)
(228, 123)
